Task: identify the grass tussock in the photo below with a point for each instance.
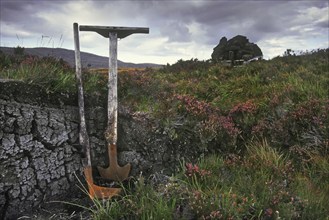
(48, 72)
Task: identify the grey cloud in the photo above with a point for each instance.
(323, 24)
(22, 15)
(11, 11)
(218, 18)
(176, 31)
(258, 19)
(16, 11)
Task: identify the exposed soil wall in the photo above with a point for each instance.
(40, 155)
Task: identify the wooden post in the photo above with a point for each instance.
(113, 91)
(83, 135)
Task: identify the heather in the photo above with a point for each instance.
(263, 128)
(264, 131)
(284, 100)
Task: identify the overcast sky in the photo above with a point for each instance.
(179, 29)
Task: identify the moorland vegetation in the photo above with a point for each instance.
(264, 128)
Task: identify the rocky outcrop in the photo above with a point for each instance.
(236, 48)
(40, 157)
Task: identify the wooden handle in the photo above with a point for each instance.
(112, 107)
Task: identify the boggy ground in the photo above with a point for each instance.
(40, 153)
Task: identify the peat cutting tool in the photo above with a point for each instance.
(114, 171)
(94, 190)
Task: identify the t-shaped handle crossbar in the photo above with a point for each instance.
(121, 32)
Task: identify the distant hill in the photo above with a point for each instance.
(87, 59)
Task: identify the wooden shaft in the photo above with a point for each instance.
(83, 135)
(113, 92)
